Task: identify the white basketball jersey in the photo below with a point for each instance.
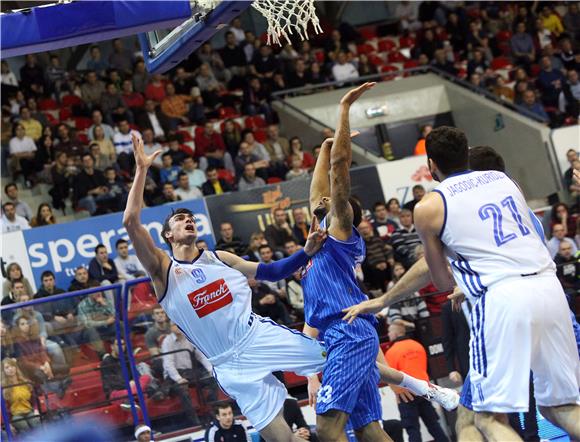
(488, 232)
(209, 301)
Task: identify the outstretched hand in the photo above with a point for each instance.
(141, 159)
(354, 94)
(316, 238)
(365, 307)
(456, 298)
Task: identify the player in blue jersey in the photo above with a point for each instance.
(350, 377)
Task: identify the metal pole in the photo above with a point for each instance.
(5, 417)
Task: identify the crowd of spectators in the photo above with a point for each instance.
(92, 164)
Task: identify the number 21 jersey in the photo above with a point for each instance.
(488, 232)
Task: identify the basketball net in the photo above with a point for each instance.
(284, 17)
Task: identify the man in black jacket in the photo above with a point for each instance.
(229, 242)
(90, 186)
(225, 428)
(102, 268)
(214, 185)
(152, 118)
(456, 340)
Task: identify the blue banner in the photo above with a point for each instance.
(63, 247)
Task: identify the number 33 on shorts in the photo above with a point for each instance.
(324, 394)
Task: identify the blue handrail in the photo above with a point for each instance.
(129, 345)
(5, 418)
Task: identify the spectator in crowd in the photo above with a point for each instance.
(8, 77)
(155, 335)
(551, 21)
(66, 141)
(420, 146)
(61, 174)
(124, 146)
(11, 222)
(300, 228)
(232, 136)
(177, 151)
(102, 149)
(376, 265)
(266, 302)
(571, 21)
(97, 119)
(168, 173)
(249, 180)
(296, 170)
(32, 76)
(531, 105)
(81, 280)
(559, 236)
(441, 62)
(92, 90)
(102, 268)
(550, 82)
(247, 155)
(257, 239)
(117, 191)
(560, 214)
(184, 190)
(14, 273)
(522, 46)
(155, 120)
(418, 194)
(143, 433)
(405, 239)
(572, 157)
(256, 100)
(22, 207)
(382, 224)
(183, 365)
(155, 90)
(32, 127)
(295, 294)
(343, 69)
(114, 382)
(175, 107)
(132, 100)
(96, 62)
(121, 58)
(90, 186)
(233, 56)
(48, 288)
(228, 241)
(296, 148)
(150, 146)
(112, 105)
(407, 312)
(44, 216)
(195, 176)
(21, 155)
(128, 266)
(214, 185)
(211, 145)
(18, 391)
(225, 427)
(279, 231)
(567, 270)
(95, 311)
(278, 147)
(140, 77)
(410, 357)
(569, 98)
(456, 340)
(168, 195)
(209, 86)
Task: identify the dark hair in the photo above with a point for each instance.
(211, 169)
(8, 203)
(554, 214)
(380, 204)
(180, 174)
(8, 186)
(166, 154)
(86, 154)
(109, 168)
(120, 241)
(39, 220)
(391, 200)
(166, 227)
(485, 158)
(447, 148)
(265, 246)
(45, 274)
(222, 406)
(417, 186)
(356, 211)
(100, 246)
(93, 144)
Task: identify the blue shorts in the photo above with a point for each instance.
(466, 398)
(351, 376)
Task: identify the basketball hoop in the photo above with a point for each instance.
(284, 17)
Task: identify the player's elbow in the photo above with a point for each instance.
(443, 283)
(129, 220)
(339, 160)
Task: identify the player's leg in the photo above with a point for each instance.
(495, 427)
(566, 417)
(371, 433)
(330, 426)
(278, 430)
(465, 426)
(555, 363)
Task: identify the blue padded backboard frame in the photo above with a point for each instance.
(191, 37)
(50, 27)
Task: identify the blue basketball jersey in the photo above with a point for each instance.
(329, 280)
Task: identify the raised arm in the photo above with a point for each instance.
(340, 161)
(153, 259)
(320, 184)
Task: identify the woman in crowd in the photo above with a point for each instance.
(394, 208)
(365, 67)
(17, 391)
(561, 215)
(44, 216)
(105, 144)
(232, 137)
(296, 148)
(22, 151)
(14, 273)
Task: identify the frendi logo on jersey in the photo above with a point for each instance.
(63, 247)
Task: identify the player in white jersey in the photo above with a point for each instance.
(207, 296)
(478, 222)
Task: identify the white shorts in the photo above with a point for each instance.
(520, 325)
(247, 376)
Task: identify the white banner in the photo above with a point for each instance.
(399, 177)
(564, 139)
